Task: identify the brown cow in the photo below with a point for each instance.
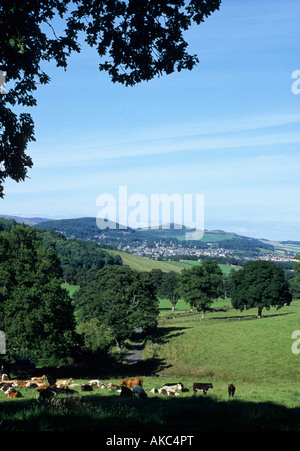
(13, 394)
(65, 383)
(132, 382)
(38, 379)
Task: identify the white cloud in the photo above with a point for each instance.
(212, 135)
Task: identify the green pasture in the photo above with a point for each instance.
(143, 263)
(108, 412)
(228, 347)
(232, 346)
(186, 264)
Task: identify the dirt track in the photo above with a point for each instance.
(136, 354)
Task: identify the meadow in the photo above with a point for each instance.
(145, 264)
(227, 347)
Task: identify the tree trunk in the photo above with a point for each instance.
(259, 314)
(118, 346)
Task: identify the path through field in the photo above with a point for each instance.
(136, 354)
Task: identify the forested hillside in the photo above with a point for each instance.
(80, 260)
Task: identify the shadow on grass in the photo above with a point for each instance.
(164, 334)
(115, 413)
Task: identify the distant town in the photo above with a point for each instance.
(170, 244)
(161, 250)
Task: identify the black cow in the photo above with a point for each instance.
(231, 390)
(86, 387)
(197, 386)
(125, 391)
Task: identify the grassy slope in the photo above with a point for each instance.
(228, 347)
(144, 263)
(147, 264)
(233, 346)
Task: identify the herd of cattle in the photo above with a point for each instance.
(47, 387)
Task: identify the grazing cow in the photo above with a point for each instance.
(231, 390)
(129, 383)
(86, 387)
(31, 385)
(125, 391)
(111, 386)
(168, 392)
(40, 379)
(51, 380)
(95, 383)
(46, 393)
(171, 388)
(13, 394)
(140, 392)
(201, 386)
(64, 383)
(4, 386)
(64, 390)
(173, 384)
(154, 390)
(22, 384)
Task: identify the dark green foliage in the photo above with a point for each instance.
(169, 287)
(35, 312)
(247, 245)
(6, 224)
(200, 285)
(81, 228)
(259, 284)
(119, 298)
(156, 277)
(297, 268)
(79, 260)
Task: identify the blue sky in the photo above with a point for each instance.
(229, 129)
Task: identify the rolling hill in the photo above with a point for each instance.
(115, 236)
(86, 228)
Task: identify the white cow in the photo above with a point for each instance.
(171, 389)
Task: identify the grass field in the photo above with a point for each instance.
(232, 346)
(144, 263)
(107, 412)
(228, 347)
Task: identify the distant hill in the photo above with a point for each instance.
(180, 234)
(86, 228)
(82, 228)
(114, 236)
(27, 221)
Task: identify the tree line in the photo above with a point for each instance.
(79, 260)
(44, 324)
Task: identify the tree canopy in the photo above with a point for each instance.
(136, 40)
(297, 268)
(201, 285)
(169, 287)
(79, 260)
(35, 312)
(259, 284)
(121, 299)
